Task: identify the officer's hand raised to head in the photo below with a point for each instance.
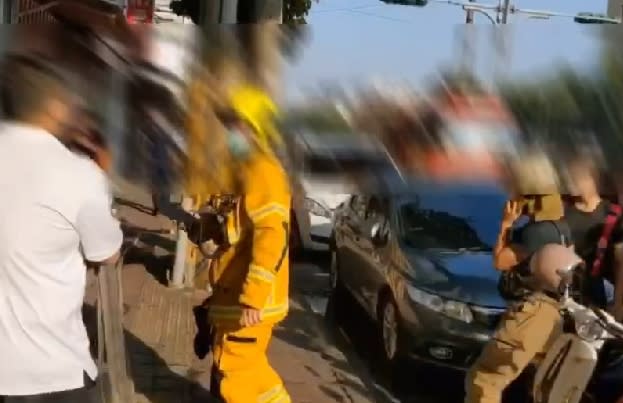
(250, 316)
(512, 211)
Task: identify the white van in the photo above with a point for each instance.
(313, 214)
(323, 185)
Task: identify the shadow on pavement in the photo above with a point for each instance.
(409, 382)
(157, 266)
(304, 331)
(151, 376)
(307, 331)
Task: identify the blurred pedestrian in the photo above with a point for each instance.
(589, 216)
(596, 226)
(55, 213)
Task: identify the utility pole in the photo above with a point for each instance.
(5, 12)
(260, 40)
(506, 8)
(466, 40)
(615, 8)
(469, 14)
(229, 12)
(501, 40)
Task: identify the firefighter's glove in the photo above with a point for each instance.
(208, 227)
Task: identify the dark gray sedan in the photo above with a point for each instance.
(418, 258)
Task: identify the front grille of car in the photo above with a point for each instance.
(488, 317)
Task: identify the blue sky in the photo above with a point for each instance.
(354, 40)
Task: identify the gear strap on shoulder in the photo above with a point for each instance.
(614, 213)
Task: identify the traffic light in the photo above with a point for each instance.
(417, 3)
(188, 8)
(593, 18)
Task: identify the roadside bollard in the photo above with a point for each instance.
(181, 250)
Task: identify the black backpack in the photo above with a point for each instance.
(513, 284)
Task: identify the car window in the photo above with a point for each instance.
(451, 220)
(375, 208)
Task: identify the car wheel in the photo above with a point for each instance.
(334, 280)
(335, 307)
(296, 244)
(390, 332)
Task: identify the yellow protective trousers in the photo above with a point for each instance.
(241, 371)
(523, 335)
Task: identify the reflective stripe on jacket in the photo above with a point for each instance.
(254, 271)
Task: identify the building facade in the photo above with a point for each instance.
(32, 11)
(25, 12)
(615, 8)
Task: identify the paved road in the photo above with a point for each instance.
(160, 328)
(357, 336)
(333, 356)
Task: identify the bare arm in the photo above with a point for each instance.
(100, 233)
(505, 254)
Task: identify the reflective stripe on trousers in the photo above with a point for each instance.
(232, 314)
(241, 368)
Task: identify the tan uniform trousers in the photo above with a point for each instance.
(525, 332)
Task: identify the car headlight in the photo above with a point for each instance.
(317, 209)
(452, 309)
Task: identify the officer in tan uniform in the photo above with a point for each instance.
(532, 320)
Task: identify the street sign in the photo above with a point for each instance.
(594, 18)
(140, 11)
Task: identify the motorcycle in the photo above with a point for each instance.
(565, 373)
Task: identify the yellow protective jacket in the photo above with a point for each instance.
(254, 270)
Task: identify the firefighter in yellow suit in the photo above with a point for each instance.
(250, 279)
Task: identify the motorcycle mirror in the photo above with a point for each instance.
(374, 231)
(378, 234)
(566, 274)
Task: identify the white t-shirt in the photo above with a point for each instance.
(53, 205)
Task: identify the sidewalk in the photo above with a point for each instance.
(160, 328)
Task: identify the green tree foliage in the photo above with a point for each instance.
(293, 39)
(294, 26)
(295, 11)
(571, 108)
(556, 106)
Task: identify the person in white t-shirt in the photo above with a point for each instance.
(55, 213)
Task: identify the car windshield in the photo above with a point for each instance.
(451, 220)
